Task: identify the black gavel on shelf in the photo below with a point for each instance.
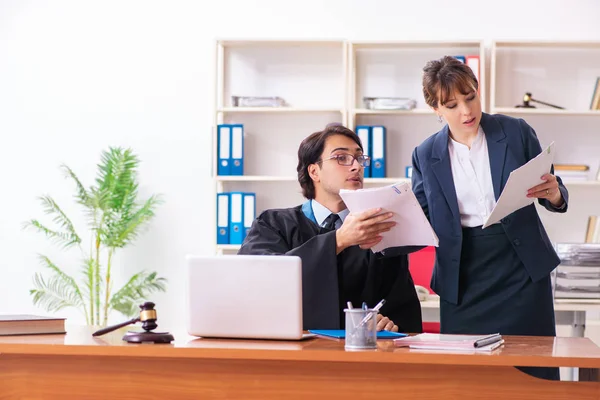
(148, 319)
(527, 99)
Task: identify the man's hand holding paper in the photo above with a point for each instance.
(411, 225)
(363, 229)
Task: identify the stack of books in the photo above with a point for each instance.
(30, 325)
(446, 342)
(572, 172)
(578, 274)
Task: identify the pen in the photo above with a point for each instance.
(368, 317)
(364, 306)
(487, 340)
(349, 304)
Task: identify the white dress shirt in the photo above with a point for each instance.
(472, 180)
(321, 212)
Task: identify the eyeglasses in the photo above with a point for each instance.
(348, 159)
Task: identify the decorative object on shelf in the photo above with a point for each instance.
(257, 101)
(115, 216)
(527, 99)
(148, 318)
(389, 103)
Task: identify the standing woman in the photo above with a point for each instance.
(495, 279)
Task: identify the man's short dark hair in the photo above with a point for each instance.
(310, 151)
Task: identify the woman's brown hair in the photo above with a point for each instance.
(441, 78)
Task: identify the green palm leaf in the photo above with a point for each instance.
(67, 237)
(127, 299)
(82, 195)
(62, 239)
(117, 175)
(128, 227)
(55, 294)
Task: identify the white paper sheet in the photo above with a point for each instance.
(514, 194)
(412, 227)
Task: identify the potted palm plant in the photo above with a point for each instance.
(115, 217)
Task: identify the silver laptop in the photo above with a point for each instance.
(239, 296)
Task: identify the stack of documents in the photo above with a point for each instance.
(412, 227)
(433, 341)
(578, 275)
(514, 194)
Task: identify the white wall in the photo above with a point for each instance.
(79, 76)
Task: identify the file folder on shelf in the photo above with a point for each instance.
(223, 150)
(249, 212)
(222, 218)
(378, 148)
(237, 149)
(364, 134)
(236, 218)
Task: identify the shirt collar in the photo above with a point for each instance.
(321, 212)
(463, 148)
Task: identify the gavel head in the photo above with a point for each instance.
(148, 316)
(526, 98)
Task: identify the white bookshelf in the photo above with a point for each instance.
(564, 74)
(325, 81)
(310, 76)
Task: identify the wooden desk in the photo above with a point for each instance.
(78, 366)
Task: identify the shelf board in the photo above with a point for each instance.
(279, 43)
(384, 181)
(260, 178)
(549, 44)
(388, 181)
(228, 247)
(412, 44)
(416, 111)
(580, 183)
(278, 110)
(544, 111)
(255, 178)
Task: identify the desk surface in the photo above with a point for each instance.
(517, 350)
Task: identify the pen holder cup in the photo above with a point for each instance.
(361, 329)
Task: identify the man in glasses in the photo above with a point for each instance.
(337, 264)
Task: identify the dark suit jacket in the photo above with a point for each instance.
(511, 143)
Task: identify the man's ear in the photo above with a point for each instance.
(313, 172)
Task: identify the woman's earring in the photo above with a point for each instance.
(439, 118)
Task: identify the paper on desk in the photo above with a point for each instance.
(412, 227)
(514, 194)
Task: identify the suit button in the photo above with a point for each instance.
(505, 221)
(517, 242)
